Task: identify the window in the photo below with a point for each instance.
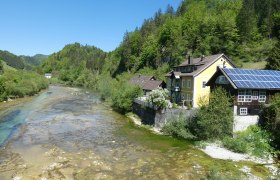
(189, 97)
(189, 84)
(262, 96)
(222, 80)
(183, 83)
(203, 84)
(182, 96)
(243, 111)
(244, 96)
(255, 95)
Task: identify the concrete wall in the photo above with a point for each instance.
(158, 119)
(242, 122)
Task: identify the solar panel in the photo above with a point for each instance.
(254, 79)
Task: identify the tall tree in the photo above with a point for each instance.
(273, 62)
(247, 20)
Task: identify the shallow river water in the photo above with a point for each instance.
(66, 133)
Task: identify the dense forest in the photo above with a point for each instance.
(245, 30)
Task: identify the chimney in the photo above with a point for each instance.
(202, 57)
(190, 60)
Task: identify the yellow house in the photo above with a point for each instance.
(187, 82)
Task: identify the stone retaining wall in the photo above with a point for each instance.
(149, 115)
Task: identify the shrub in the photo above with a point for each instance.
(122, 97)
(105, 87)
(158, 98)
(21, 83)
(179, 127)
(270, 119)
(254, 140)
(214, 121)
(235, 144)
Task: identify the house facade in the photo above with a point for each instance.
(147, 83)
(249, 88)
(187, 82)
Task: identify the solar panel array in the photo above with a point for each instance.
(254, 79)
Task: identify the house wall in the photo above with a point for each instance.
(185, 90)
(241, 123)
(201, 95)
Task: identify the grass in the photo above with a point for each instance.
(254, 65)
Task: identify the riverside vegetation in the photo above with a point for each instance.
(245, 30)
(19, 83)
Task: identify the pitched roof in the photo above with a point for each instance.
(201, 64)
(252, 78)
(152, 84)
(145, 82)
(202, 61)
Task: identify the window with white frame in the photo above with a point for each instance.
(189, 84)
(255, 95)
(243, 111)
(183, 83)
(244, 96)
(262, 96)
(189, 97)
(203, 84)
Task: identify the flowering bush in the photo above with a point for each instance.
(158, 98)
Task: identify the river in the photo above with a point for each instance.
(66, 133)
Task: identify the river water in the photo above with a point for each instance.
(66, 133)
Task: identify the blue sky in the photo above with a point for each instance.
(29, 27)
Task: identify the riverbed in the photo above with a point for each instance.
(67, 133)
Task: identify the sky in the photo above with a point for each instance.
(30, 27)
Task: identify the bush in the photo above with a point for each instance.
(235, 144)
(254, 141)
(106, 86)
(21, 83)
(179, 127)
(215, 121)
(158, 98)
(270, 119)
(122, 97)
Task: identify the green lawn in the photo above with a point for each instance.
(254, 65)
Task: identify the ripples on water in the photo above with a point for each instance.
(66, 133)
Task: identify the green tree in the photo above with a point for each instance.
(123, 96)
(214, 121)
(270, 119)
(273, 61)
(247, 20)
(1, 67)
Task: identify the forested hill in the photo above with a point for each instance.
(242, 29)
(21, 62)
(34, 60)
(245, 30)
(75, 63)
